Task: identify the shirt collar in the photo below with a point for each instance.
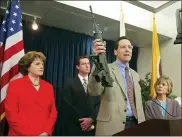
(121, 65)
(81, 78)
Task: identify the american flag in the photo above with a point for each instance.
(11, 49)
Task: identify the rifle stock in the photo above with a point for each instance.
(101, 72)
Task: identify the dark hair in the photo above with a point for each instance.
(79, 58)
(25, 62)
(117, 42)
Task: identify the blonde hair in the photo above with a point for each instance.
(167, 80)
(25, 62)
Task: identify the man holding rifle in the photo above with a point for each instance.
(121, 105)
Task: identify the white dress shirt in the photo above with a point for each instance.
(81, 78)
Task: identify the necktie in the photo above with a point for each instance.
(85, 84)
(130, 92)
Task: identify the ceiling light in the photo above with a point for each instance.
(34, 24)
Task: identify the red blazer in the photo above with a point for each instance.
(30, 112)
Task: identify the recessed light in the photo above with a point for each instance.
(105, 28)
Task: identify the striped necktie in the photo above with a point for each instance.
(130, 92)
(85, 84)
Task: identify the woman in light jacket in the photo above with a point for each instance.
(162, 107)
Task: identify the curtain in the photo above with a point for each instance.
(61, 47)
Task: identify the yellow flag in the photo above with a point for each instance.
(155, 59)
(122, 24)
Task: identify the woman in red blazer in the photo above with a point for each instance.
(30, 104)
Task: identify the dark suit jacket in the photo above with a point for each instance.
(152, 110)
(77, 104)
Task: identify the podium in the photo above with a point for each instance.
(154, 127)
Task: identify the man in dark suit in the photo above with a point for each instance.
(79, 109)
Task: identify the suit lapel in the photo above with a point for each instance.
(118, 76)
(168, 108)
(157, 109)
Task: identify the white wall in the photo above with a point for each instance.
(170, 59)
(171, 62)
(166, 25)
(170, 56)
(144, 61)
(133, 15)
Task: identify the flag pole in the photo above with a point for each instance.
(122, 23)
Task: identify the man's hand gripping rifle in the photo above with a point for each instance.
(101, 72)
